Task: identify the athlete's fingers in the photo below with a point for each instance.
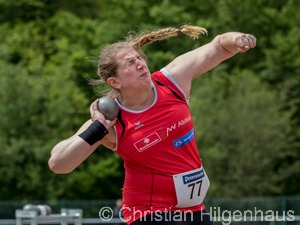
(244, 42)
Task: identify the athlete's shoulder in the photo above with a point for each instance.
(163, 78)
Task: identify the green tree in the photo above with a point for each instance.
(242, 133)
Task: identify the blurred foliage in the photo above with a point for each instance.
(246, 111)
(242, 134)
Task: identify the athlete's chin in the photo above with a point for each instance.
(146, 84)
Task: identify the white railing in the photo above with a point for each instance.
(225, 221)
(74, 216)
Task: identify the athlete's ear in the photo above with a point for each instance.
(113, 82)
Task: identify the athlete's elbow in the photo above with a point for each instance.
(55, 167)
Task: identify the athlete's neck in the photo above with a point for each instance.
(138, 101)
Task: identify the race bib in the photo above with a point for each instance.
(191, 187)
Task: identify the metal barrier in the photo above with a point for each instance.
(116, 220)
(221, 210)
(67, 216)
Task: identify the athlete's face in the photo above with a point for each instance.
(132, 72)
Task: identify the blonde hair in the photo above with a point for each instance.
(107, 64)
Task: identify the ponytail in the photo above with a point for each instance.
(161, 34)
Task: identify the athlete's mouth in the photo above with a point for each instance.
(144, 74)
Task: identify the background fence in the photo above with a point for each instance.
(255, 210)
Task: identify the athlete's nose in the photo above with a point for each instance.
(140, 64)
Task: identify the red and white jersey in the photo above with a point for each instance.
(155, 144)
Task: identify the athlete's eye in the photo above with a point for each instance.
(130, 62)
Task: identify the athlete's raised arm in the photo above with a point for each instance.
(190, 65)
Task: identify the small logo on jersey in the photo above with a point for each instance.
(178, 143)
(147, 142)
(185, 139)
(138, 124)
